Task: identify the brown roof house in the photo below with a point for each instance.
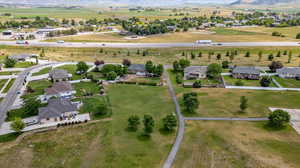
(57, 75)
(245, 72)
(61, 89)
(57, 110)
(195, 72)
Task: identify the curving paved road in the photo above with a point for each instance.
(12, 95)
(180, 132)
(150, 45)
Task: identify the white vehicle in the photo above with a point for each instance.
(204, 42)
(61, 41)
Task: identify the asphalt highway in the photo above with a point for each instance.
(150, 45)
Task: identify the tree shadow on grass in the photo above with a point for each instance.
(165, 132)
(144, 137)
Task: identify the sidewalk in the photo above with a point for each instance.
(5, 129)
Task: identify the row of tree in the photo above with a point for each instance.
(169, 123)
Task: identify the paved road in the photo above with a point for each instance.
(12, 95)
(180, 131)
(223, 119)
(148, 45)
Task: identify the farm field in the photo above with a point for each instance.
(216, 35)
(163, 56)
(103, 12)
(237, 144)
(101, 144)
(226, 102)
(288, 32)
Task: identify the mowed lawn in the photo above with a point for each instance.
(237, 144)
(102, 144)
(226, 102)
(232, 82)
(288, 83)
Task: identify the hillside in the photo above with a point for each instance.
(264, 2)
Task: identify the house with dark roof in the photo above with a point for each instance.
(22, 57)
(57, 110)
(246, 72)
(57, 75)
(138, 69)
(195, 72)
(289, 72)
(61, 89)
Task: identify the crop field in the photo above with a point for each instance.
(237, 144)
(103, 12)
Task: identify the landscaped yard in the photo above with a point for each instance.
(86, 87)
(8, 72)
(232, 82)
(72, 70)
(42, 71)
(237, 144)
(288, 83)
(10, 83)
(226, 102)
(38, 87)
(101, 144)
(2, 83)
(23, 64)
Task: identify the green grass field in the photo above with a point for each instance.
(2, 83)
(102, 144)
(237, 144)
(288, 83)
(226, 102)
(8, 72)
(232, 81)
(38, 87)
(10, 83)
(42, 71)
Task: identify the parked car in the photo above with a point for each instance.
(60, 41)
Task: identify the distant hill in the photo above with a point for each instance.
(264, 2)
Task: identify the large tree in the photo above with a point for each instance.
(169, 122)
(214, 70)
(82, 67)
(9, 63)
(148, 124)
(190, 102)
(133, 122)
(279, 118)
(31, 106)
(275, 65)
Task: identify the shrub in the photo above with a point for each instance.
(278, 118)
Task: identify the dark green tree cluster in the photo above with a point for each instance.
(178, 66)
(156, 70)
(111, 71)
(279, 118)
(190, 102)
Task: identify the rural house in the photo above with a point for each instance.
(58, 90)
(57, 75)
(57, 110)
(138, 69)
(22, 57)
(245, 72)
(195, 72)
(292, 72)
